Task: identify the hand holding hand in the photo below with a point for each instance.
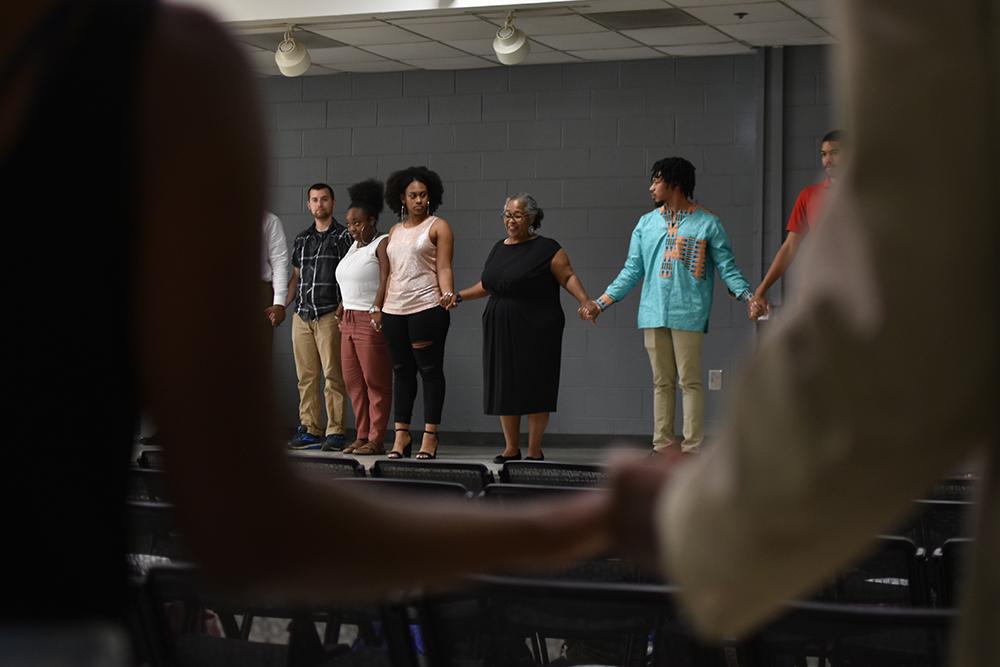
(590, 311)
(758, 307)
(449, 300)
(376, 320)
(275, 314)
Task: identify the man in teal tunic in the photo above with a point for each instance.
(675, 250)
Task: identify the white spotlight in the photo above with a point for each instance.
(291, 57)
(511, 45)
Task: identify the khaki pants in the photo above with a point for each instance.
(676, 354)
(316, 345)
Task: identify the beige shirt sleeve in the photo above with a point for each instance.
(881, 377)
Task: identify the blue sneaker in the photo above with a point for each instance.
(334, 442)
(303, 439)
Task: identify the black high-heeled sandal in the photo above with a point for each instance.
(426, 456)
(406, 450)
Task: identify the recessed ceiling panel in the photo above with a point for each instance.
(556, 25)
(697, 34)
(341, 55)
(421, 51)
(464, 62)
(636, 53)
(644, 18)
(769, 32)
(593, 40)
(468, 28)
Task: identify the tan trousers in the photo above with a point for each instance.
(673, 355)
(316, 345)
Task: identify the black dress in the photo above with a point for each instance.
(522, 329)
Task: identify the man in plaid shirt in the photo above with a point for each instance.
(315, 335)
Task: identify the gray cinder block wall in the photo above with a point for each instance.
(581, 138)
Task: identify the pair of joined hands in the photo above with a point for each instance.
(275, 314)
(757, 307)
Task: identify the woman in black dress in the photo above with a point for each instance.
(522, 325)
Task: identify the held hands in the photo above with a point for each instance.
(275, 314)
(448, 300)
(376, 320)
(589, 311)
(339, 316)
(757, 307)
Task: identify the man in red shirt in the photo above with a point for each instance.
(805, 214)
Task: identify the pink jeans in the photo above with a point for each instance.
(367, 374)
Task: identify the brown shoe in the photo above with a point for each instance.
(369, 449)
(350, 449)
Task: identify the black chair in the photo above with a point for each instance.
(180, 601)
(954, 488)
(517, 493)
(326, 467)
(412, 486)
(894, 573)
(151, 458)
(152, 537)
(948, 560)
(473, 476)
(147, 484)
(490, 624)
(549, 473)
(942, 520)
(852, 635)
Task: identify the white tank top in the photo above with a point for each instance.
(413, 279)
(358, 274)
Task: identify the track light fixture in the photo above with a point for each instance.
(511, 45)
(291, 57)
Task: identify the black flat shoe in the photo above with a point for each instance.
(500, 458)
(426, 456)
(535, 458)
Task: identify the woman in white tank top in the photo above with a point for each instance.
(415, 325)
(361, 275)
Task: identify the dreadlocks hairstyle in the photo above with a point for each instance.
(398, 181)
(675, 171)
(367, 195)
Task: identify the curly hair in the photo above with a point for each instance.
(675, 171)
(398, 181)
(367, 195)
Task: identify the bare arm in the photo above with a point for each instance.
(383, 272)
(782, 260)
(444, 240)
(293, 287)
(477, 291)
(564, 274)
(247, 518)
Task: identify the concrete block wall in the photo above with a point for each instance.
(581, 138)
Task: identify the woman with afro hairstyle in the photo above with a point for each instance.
(362, 275)
(415, 325)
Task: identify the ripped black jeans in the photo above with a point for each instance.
(401, 333)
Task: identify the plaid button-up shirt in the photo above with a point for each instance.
(316, 255)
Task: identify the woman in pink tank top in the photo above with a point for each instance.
(413, 322)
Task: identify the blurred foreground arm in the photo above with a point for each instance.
(248, 520)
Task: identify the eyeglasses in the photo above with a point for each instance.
(516, 217)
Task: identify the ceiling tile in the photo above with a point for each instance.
(381, 66)
(769, 32)
(707, 3)
(635, 53)
(422, 51)
(755, 13)
(833, 26)
(621, 5)
(463, 62)
(699, 34)
(815, 9)
(725, 49)
(383, 34)
(270, 40)
(593, 40)
(547, 58)
(319, 70)
(480, 47)
(342, 54)
(556, 25)
(469, 27)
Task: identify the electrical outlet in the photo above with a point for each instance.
(714, 380)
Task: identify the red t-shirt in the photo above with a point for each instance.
(808, 207)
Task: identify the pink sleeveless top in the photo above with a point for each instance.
(413, 280)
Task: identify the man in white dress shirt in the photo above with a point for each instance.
(274, 268)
